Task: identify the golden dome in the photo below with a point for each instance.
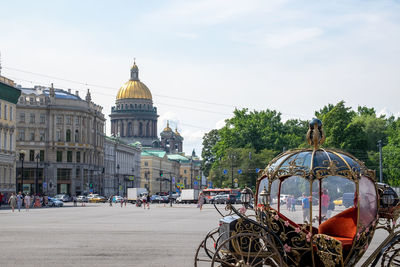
(167, 129)
(176, 131)
(134, 89)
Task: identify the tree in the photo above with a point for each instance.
(210, 139)
(391, 154)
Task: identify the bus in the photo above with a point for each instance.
(212, 192)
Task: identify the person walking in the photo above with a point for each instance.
(305, 203)
(27, 200)
(293, 202)
(1, 198)
(122, 201)
(12, 201)
(75, 201)
(19, 201)
(200, 201)
(288, 202)
(125, 200)
(324, 204)
(148, 201)
(110, 200)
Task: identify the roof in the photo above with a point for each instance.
(178, 157)
(154, 153)
(58, 92)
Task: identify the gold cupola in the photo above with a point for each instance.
(134, 88)
(167, 129)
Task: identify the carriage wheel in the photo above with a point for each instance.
(246, 250)
(391, 256)
(205, 251)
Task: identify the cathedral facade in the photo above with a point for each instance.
(134, 118)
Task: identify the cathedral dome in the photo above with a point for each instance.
(134, 88)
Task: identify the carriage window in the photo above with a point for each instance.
(368, 202)
(338, 194)
(294, 194)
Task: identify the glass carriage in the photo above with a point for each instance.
(312, 207)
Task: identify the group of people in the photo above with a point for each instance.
(17, 201)
(290, 203)
(327, 206)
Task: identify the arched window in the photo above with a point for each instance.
(76, 136)
(129, 129)
(140, 129)
(68, 136)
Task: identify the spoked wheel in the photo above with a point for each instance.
(246, 250)
(206, 249)
(391, 257)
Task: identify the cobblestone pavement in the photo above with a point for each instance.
(99, 235)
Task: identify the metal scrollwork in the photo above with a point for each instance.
(329, 250)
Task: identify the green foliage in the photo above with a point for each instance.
(250, 139)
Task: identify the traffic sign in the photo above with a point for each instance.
(44, 185)
(195, 182)
(240, 171)
(173, 180)
(257, 170)
(236, 180)
(131, 178)
(225, 171)
(236, 184)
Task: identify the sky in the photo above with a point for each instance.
(203, 59)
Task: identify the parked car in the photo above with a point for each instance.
(117, 199)
(54, 202)
(224, 199)
(338, 202)
(348, 199)
(164, 199)
(178, 200)
(82, 199)
(98, 199)
(156, 199)
(63, 197)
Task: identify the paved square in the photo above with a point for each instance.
(99, 235)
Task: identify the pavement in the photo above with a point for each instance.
(99, 235)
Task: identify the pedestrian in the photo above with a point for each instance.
(75, 201)
(331, 208)
(45, 200)
(27, 200)
(144, 201)
(122, 201)
(12, 201)
(1, 198)
(293, 202)
(305, 203)
(19, 201)
(324, 203)
(110, 200)
(200, 201)
(125, 200)
(288, 203)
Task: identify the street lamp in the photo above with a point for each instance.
(37, 174)
(246, 195)
(264, 196)
(117, 179)
(21, 158)
(232, 157)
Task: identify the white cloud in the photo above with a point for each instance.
(220, 124)
(292, 37)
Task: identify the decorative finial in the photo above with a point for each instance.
(315, 134)
(88, 96)
(167, 123)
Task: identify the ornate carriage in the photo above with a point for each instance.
(312, 207)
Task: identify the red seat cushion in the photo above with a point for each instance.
(342, 227)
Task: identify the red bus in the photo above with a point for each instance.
(211, 192)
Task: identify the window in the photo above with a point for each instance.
(32, 120)
(68, 120)
(78, 156)
(41, 155)
(77, 174)
(42, 136)
(41, 101)
(11, 141)
(76, 120)
(32, 136)
(21, 135)
(68, 135)
(69, 156)
(42, 118)
(63, 174)
(146, 163)
(59, 156)
(58, 135)
(22, 117)
(5, 141)
(31, 100)
(59, 119)
(31, 155)
(11, 113)
(76, 136)
(5, 112)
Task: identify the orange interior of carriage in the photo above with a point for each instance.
(342, 227)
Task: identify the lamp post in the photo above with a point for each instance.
(232, 157)
(264, 197)
(117, 182)
(21, 158)
(37, 174)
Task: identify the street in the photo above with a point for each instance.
(99, 235)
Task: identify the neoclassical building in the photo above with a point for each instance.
(8, 98)
(62, 136)
(171, 142)
(133, 118)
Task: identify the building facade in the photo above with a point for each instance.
(133, 118)
(122, 167)
(171, 142)
(8, 98)
(62, 137)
